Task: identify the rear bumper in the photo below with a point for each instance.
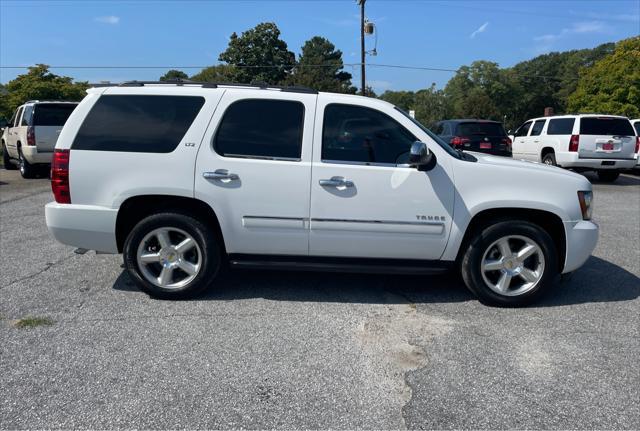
(582, 237)
(571, 160)
(86, 226)
(33, 156)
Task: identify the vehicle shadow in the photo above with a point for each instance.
(597, 281)
(623, 180)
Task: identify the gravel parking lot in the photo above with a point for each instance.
(312, 350)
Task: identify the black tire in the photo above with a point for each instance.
(608, 176)
(549, 159)
(27, 170)
(482, 242)
(207, 241)
(6, 160)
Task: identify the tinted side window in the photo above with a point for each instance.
(561, 126)
(537, 127)
(439, 129)
(26, 117)
(606, 126)
(52, 115)
(523, 130)
(637, 127)
(358, 134)
(261, 128)
(144, 124)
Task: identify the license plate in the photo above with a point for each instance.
(485, 145)
(607, 146)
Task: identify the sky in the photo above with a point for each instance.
(443, 34)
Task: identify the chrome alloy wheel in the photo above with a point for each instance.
(169, 258)
(512, 265)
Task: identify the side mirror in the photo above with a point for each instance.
(420, 157)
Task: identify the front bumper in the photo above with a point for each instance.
(85, 226)
(582, 237)
(571, 160)
(33, 156)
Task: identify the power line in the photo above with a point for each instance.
(289, 66)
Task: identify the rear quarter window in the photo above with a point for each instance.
(52, 115)
(132, 123)
(637, 127)
(560, 126)
(607, 126)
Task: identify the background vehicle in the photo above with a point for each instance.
(604, 143)
(482, 136)
(183, 178)
(636, 126)
(29, 138)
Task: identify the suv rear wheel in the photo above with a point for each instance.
(172, 255)
(510, 263)
(27, 170)
(608, 176)
(549, 159)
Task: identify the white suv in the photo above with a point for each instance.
(29, 138)
(185, 178)
(604, 143)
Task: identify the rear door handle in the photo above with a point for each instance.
(220, 174)
(337, 182)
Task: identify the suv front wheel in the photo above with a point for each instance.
(510, 263)
(172, 255)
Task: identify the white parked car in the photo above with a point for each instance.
(29, 138)
(606, 144)
(183, 179)
(636, 127)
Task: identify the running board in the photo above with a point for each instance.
(333, 264)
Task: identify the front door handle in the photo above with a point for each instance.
(220, 174)
(337, 182)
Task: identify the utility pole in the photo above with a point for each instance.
(362, 53)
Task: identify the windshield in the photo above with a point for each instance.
(439, 141)
(480, 128)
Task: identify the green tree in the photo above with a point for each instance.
(39, 83)
(431, 106)
(402, 99)
(612, 85)
(478, 90)
(547, 80)
(320, 67)
(219, 73)
(259, 55)
(173, 74)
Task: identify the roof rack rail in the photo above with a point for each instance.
(182, 82)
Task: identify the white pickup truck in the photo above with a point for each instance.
(30, 136)
(183, 178)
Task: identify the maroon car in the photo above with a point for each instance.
(484, 136)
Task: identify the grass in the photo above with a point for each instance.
(32, 322)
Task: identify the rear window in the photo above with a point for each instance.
(561, 126)
(143, 124)
(608, 126)
(484, 129)
(52, 115)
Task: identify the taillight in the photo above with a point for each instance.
(507, 142)
(637, 144)
(60, 176)
(457, 141)
(574, 143)
(31, 136)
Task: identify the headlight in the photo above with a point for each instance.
(586, 201)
